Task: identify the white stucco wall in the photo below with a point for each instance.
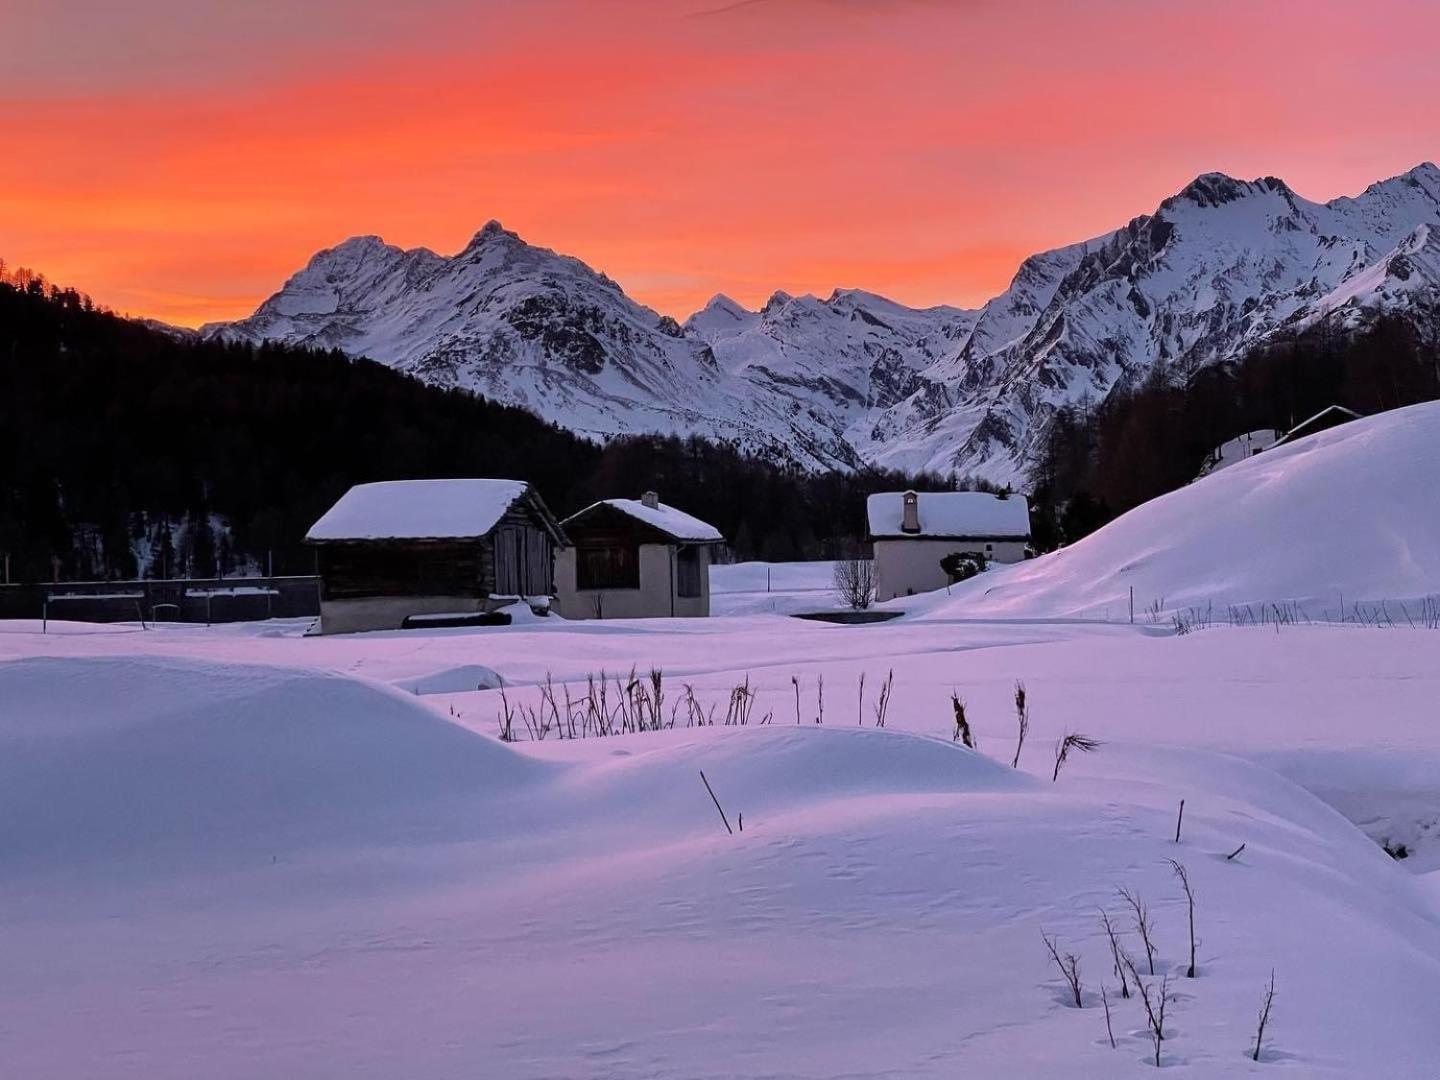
(653, 599)
(905, 567)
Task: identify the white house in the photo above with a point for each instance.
(634, 559)
(1238, 449)
(912, 531)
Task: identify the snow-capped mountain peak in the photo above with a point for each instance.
(1216, 268)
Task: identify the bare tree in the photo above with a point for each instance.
(1022, 720)
(1143, 926)
(1069, 966)
(820, 698)
(854, 582)
(1076, 741)
(962, 725)
(1268, 1001)
(1184, 877)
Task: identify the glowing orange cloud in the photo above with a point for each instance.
(180, 160)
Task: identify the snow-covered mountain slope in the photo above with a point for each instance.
(1337, 517)
(1219, 267)
(526, 326)
(1215, 269)
(850, 356)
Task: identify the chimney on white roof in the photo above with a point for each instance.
(910, 521)
(651, 500)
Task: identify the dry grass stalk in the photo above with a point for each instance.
(1083, 743)
(1022, 721)
(962, 725)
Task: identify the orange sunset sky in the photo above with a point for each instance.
(180, 159)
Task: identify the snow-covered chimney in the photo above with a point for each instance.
(650, 499)
(910, 522)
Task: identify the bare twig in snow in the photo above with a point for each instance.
(716, 802)
(1143, 926)
(1184, 876)
(1268, 1001)
(506, 716)
(1116, 953)
(1105, 1000)
(884, 702)
(1069, 966)
(1235, 852)
(1178, 820)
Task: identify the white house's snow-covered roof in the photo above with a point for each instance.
(950, 514)
(418, 510)
(674, 523)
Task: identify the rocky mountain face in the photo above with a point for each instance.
(1217, 268)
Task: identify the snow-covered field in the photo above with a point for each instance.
(238, 852)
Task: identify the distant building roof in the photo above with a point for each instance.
(1328, 417)
(950, 515)
(418, 510)
(674, 523)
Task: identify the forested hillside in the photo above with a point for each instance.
(116, 437)
(1103, 459)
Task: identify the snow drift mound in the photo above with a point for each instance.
(1349, 511)
(652, 782)
(180, 760)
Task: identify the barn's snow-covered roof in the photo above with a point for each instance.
(946, 514)
(418, 510)
(672, 522)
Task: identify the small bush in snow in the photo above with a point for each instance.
(1069, 965)
(854, 582)
(963, 565)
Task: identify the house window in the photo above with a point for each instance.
(607, 566)
(687, 572)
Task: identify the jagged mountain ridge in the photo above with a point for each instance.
(1215, 269)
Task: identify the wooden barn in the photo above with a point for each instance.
(634, 559)
(396, 553)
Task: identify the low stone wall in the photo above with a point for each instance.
(197, 601)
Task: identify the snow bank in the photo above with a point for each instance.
(455, 680)
(1348, 512)
(184, 761)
